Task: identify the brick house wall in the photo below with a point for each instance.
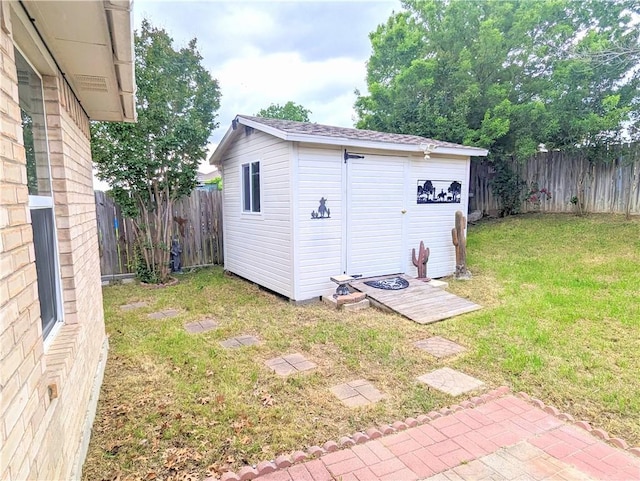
(48, 391)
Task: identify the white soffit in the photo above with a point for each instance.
(92, 43)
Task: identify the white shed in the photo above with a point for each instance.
(304, 202)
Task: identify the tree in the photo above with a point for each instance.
(504, 74)
(428, 188)
(455, 189)
(152, 163)
(288, 111)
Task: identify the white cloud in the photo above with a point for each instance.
(255, 81)
(282, 75)
(244, 21)
(310, 52)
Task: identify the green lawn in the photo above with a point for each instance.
(561, 322)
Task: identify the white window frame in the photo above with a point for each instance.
(46, 202)
(243, 188)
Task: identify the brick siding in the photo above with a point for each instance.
(41, 438)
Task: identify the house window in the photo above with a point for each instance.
(34, 133)
(251, 187)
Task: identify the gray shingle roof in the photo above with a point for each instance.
(308, 128)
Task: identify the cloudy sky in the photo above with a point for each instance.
(263, 52)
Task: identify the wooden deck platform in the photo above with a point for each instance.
(419, 302)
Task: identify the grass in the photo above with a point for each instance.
(561, 322)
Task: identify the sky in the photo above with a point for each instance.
(313, 53)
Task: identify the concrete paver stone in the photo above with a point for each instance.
(451, 381)
(439, 347)
(198, 327)
(357, 393)
(167, 313)
(133, 305)
(290, 364)
(240, 341)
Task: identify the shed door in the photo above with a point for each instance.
(375, 219)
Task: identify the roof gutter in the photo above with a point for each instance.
(120, 19)
(363, 144)
(369, 144)
(425, 149)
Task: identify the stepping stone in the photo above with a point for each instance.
(240, 341)
(451, 381)
(357, 393)
(164, 314)
(200, 326)
(133, 305)
(439, 346)
(290, 364)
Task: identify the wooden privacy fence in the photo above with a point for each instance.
(197, 222)
(604, 187)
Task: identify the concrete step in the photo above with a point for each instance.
(438, 284)
(363, 303)
(357, 306)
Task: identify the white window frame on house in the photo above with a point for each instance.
(42, 202)
(247, 186)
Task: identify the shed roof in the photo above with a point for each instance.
(342, 136)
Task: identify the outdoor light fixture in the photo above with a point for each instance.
(349, 155)
(428, 149)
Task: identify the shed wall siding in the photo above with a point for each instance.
(320, 242)
(258, 246)
(432, 223)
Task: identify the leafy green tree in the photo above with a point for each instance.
(428, 189)
(455, 189)
(288, 111)
(504, 75)
(152, 163)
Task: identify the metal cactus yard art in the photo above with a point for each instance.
(421, 261)
(460, 242)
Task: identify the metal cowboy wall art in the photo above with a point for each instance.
(439, 192)
(323, 211)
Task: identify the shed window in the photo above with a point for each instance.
(251, 187)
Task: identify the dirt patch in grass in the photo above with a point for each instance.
(555, 323)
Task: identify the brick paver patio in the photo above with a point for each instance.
(239, 341)
(451, 381)
(439, 346)
(506, 438)
(357, 393)
(290, 364)
(164, 314)
(203, 325)
(521, 461)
